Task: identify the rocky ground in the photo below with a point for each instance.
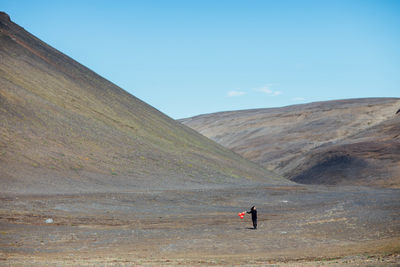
(298, 226)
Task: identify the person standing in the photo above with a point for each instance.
(253, 212)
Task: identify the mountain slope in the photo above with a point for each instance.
(65, 129)
(345, 141)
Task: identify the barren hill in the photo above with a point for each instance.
(63, 128)
(355, 141)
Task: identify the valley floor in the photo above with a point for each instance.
(298, 226)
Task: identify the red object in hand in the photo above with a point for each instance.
(241, 214)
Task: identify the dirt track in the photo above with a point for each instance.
(297, 225)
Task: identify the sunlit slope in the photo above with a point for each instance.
(63, 128)
(342, 141)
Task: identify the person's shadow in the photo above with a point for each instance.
(250, 228)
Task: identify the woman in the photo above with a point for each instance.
(253, 212)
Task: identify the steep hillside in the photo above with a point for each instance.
(63, 128)
(353, 141)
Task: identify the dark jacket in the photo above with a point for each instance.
(253, 214)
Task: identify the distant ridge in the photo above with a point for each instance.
(351, 141)
(65, 129)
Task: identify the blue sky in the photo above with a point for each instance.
(192, 57)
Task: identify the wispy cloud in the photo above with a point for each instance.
(268, 91)
(276, 93)
(298, 99)
(265, 89)
(236, 93)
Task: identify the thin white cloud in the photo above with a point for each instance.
(277, 93)
(298, 99)
(236, 93)
(265, 89)
(268, 91)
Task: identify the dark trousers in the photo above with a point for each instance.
(255, 224)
